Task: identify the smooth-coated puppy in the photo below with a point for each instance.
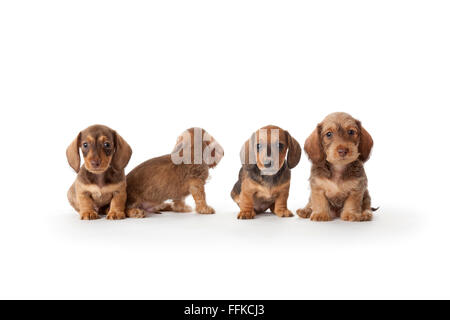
(174, 176)
(265, 175)
(338, 148)
(100, 186)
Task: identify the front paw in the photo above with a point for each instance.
(205, 210)
(320, 216)
(89, 215)
(284, 213)
(115, 215)
(243, 215)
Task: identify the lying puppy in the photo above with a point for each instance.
(338, 148)
(265, 176)
(100, 186)
(174, 177)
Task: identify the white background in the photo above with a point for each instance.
(151, 70)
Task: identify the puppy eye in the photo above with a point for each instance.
(280, 146)
(329, 134)
(351, 132)
(258, 147)
(107, 145)
(85, 145)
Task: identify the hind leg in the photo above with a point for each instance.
(180, 206)
(367, 213)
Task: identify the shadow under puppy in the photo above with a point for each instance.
(338, 148)
(174, 176)
(100, 187)
(265, 176)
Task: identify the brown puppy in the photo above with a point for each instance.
(100, 186)
(174, 177)
(338, 148)
(265, 176)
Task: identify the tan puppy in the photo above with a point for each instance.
(100, 186)
(265, 176)
(174, 177)
(338, 148)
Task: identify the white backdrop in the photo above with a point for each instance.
(151, 70)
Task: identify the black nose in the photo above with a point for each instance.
(267, 164)
(95, 163)
(343, 151)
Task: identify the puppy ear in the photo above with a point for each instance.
(365, 144)
(295, 151)
(248, 155)
(122, 153)
(313, 146)
(73, 155)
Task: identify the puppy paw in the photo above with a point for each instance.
(89, 215)
(304, 213)
(243, 215)
(135, 213)
(205, 210)
(354, 217)
(320, 216)
(366, 215)
(285, 213)
(115, 215)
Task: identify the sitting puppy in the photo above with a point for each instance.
(100, 186)
(338, 148)
(265, 176)
(174, 177)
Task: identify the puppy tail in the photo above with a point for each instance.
(374, 209)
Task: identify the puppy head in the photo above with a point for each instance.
(268, 147)
(196, 146)
(339, 139)
(101, 147)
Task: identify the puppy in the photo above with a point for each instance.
(264, 179)
(174, 177)
(338, 148)
(100, 186)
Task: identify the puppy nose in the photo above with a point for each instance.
(268, 164)
(95, 163)
(343, 151)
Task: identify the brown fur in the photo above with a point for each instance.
(338, 148)
(100, 186)
(258, 190)
(157, 180)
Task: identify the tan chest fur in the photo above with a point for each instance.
(101, 195)
(265, 192)
(336, 188)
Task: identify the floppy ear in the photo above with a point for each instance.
(365, 144)
(73, 155)
(122, 153)
(248, 155)
(313, 146)
(294, 153)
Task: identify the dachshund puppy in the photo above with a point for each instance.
(265, 175)
(338, 148)
(174, 177)
(100, 186)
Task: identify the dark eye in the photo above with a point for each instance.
(85, 145)
(329, 134)
(351, 132)
(280, 146)
(107, 145)
(258, 147)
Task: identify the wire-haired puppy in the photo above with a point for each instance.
(174, 176)
(100, 186)
(265, 176)
(338, 148)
